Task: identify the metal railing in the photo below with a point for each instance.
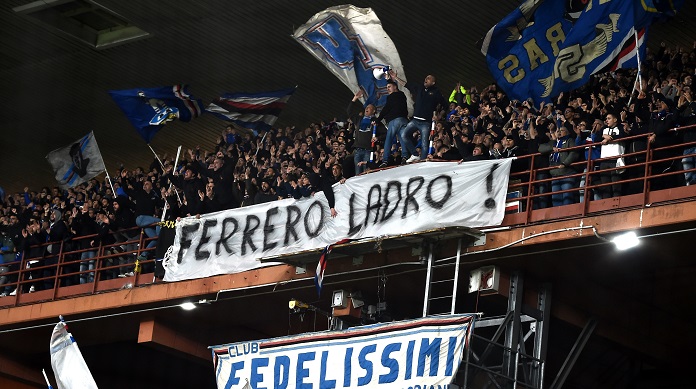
(44, 274)
(60, 273)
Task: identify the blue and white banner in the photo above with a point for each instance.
(545, 47)
(76, 163)
(421, 353)
(402, 200)
(69, 367)
(255, 111)
(148, 109)
(351, 43)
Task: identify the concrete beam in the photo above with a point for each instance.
(22, 376)
(161, 336)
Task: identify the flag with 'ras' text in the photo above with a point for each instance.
(545, 47)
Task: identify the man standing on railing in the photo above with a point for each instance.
(610, 148)
(427, 100)
(394, 113)
(146, 202)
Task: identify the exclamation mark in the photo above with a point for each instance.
(490, 202)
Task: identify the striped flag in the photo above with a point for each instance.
(76, 163)
(321, 266)
(255, 111)
(68, 365)
(148, 109)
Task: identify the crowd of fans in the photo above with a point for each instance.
(245, 168)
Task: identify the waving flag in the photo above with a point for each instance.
(69, 367)
(76, 163)
(351, 43)
(321, 267)
(255, 111)
(148, 109)
(545, 47)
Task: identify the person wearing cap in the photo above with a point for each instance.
(394, 113)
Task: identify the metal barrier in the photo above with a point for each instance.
(60, 271)
(49, 276)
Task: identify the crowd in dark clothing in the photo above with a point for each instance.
(244, 168)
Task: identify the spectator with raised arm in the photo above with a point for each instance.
(427, 99)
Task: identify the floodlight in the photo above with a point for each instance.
(626, 240)
(187, 306)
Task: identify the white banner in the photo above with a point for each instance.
(69, 367)
(402, 200)
(407, 354)
(76, 163)
(351, 42)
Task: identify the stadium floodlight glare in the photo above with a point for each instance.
(187, 306)
(626, 241)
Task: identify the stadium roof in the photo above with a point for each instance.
(55, 73)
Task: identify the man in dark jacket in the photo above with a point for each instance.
(394, 112)
(222, 173)
(57, 234)
(363, 120)
(427, 98)
(146, 203)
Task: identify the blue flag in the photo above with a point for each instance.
(545, 47)
(148, 109)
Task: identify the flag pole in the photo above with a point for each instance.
(162, 165)
(48, 383)
(638, 84)
(108, 178)
(176, 161)
(156, 157)
(111, 184)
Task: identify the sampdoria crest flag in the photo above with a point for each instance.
(76, 163)
(148, 109)
(255, 111)
(68, 365)
(351, 43)
(545, 47)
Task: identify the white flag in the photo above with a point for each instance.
(76, 163)
(69, 367)
(351, 43)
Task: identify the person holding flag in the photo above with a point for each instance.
(362, 120)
